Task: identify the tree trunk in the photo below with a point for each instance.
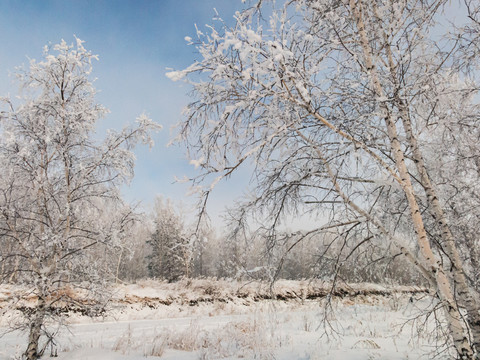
(443, 284)
(13, 275)
(32, 352)
(118, 266)
(466, 295)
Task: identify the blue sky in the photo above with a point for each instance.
(136, 41)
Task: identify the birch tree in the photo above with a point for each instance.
(334, 104)
(60, 204)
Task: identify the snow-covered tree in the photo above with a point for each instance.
(337, 106)
(205, 251)
(60, 205)
(131, 261)
(170, 256)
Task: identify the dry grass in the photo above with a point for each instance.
(253, 338)
(153, 293)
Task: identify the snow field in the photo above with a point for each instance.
(357, 328)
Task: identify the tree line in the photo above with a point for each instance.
(171, 248)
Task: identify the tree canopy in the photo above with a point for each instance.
(59, 188)
(358, 112)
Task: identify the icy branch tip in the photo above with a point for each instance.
(197, 163)
(146, 121)
(175, 75)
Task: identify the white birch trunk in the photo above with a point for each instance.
(442, 283)
(465, 294)
(32, 352)
(467, 297)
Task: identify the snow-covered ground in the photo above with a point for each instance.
(354, 327)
